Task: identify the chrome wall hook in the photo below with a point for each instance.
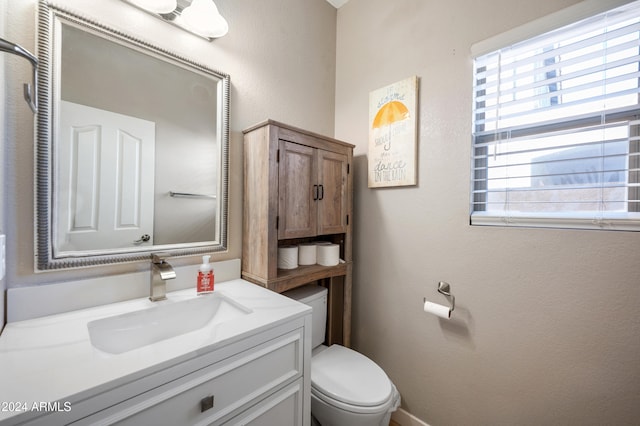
(30, 92)
(445, 289)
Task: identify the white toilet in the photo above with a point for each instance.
(347, 388)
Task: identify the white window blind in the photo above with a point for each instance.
(556, 139)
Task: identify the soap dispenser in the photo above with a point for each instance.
(205, 277)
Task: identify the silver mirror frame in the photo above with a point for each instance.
(45, 119)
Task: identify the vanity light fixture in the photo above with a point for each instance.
(203, 18)
(200, 17)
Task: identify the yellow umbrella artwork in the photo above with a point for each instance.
(388, 114)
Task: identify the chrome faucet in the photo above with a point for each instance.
(161, 271)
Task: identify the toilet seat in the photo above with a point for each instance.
(349, 380)
(348, 408)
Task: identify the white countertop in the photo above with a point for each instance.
(51, 358)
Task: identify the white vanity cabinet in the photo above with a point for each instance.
(264, 381)
(254, 370)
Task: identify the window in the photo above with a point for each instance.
(556, 127)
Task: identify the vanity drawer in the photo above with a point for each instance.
(284, 408)
(209, 394)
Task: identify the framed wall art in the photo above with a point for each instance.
(393, 134)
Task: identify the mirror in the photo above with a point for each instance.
(131, 153)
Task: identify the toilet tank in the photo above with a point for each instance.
(315, 296)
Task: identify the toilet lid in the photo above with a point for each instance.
(348, 376)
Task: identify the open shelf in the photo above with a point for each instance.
(292, 278)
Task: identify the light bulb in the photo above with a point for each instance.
(156, 6)
(203, 18)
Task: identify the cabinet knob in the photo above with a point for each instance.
(206, 403)
(315, 192)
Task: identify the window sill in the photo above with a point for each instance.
(619, 222)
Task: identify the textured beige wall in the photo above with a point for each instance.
(546, 329)
(280, 55)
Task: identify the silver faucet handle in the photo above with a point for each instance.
(167, 272)
(162, 266)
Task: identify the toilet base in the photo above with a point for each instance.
(324, 414)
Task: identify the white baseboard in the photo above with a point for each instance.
(404, 418)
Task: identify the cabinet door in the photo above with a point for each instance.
(297, 191)
(332, 198)
(282, 409)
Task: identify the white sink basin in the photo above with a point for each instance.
(132, 330)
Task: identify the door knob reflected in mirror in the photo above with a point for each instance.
(143, 239)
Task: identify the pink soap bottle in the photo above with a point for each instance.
(205, 277)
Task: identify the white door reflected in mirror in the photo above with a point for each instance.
(105, 183)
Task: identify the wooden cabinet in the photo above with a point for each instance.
(298, 188)
(312, 189)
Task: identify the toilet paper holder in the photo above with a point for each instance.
(445, 289)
